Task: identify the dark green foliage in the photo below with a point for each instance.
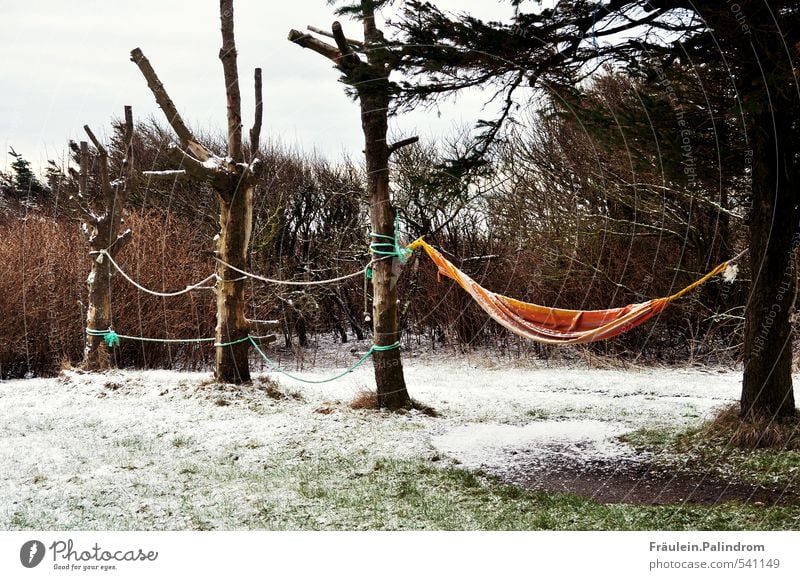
(24, 183)
(750, 46)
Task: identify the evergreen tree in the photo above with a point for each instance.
(25, 184)
(756, 42)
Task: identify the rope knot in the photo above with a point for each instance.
(111, 338)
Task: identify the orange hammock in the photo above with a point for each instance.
(556, 325)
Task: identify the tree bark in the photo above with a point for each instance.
(96, 354)
(767, 382)
(233, 182)
(227, 54)
(375, 97)
(389, 378)
(235, 195)
(767, 86)
(102, 233)
(371, 80)
(236, 222)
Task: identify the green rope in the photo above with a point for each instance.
(392, 246)
(274, 366)
(112, 339)
(376, 348)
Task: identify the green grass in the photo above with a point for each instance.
(341, 494)
(356, 492)
(692, 449)
(182, 441)
(135, 443)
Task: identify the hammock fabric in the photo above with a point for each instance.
(556, 325)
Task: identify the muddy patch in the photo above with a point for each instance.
(586, 458)
(641, 483)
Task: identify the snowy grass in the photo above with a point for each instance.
(163, 450)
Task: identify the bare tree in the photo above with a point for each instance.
(102, 229)
(366, 67)
(233, 179)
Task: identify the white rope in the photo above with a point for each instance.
(296, 283)
(198, 286)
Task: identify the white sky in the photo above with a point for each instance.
(66, 64)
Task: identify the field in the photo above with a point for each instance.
(510, 445)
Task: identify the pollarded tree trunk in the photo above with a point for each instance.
(235, 220)
(233, 179)
(767, 383)
(102, 231)
(98, 315)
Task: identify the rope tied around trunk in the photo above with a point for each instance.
(390, 247)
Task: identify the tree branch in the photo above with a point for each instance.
(349, 59)
(354, 43)
(227, 55)
(167, 175)
(192, 166)
(402, 143)
(322, 48)
(255, 132)
(84, 168)
(165, 103)
(127, 162)
(371, 32)
(121, 241)
(105, 181)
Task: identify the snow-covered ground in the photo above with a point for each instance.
(144, 436)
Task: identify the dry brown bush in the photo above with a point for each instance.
(41, 289)
(42, 294)
(365, 399)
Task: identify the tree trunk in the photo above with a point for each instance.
(233, 182)
(767, 383)
(391, 385)
(102, 234)
(371, 81)
(96, 356)
(235, 219)
(235, 193)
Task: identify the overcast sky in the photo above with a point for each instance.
(65, 64)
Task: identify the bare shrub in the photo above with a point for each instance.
(41, 289)
(365, 399)
(42, 312)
